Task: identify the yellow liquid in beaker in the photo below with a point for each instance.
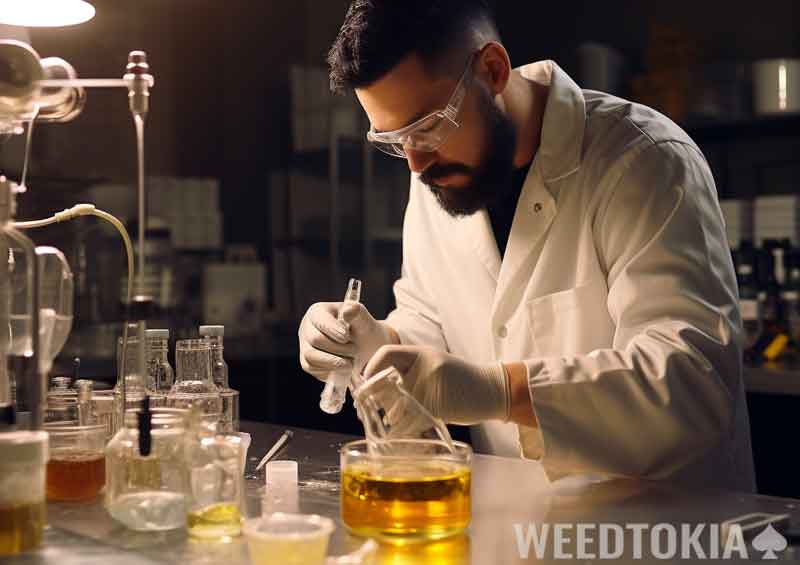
(406, 502)
(21, 527)
(215, 521)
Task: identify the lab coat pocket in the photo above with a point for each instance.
(571, 322)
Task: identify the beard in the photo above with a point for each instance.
(490, 181)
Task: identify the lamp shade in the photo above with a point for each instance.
(45, 13)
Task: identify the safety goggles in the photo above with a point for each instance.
(428, 133)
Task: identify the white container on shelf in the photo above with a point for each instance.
(776, 86)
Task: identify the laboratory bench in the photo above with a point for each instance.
(505, 492)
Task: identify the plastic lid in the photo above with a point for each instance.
(281, 473)
(212, 331)
(23, 448)
(157, 334)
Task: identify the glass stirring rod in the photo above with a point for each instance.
(334, 394)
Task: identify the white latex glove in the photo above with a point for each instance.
(450, 388)
(327, 344)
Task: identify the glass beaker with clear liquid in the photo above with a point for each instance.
(194, 386)
(148, 491)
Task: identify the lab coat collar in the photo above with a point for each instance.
(559, 152)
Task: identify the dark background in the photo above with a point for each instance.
(221, 108)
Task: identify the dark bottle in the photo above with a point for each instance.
(749, 305)
(774, 338)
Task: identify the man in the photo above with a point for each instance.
(566, 288)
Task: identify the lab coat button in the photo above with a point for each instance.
(537, 207)
(502, 331)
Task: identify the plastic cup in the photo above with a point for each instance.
(288, 539)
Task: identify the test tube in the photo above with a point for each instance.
(335, 391)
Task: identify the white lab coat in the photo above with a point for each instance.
(617, 291)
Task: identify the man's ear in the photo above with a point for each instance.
(494, 67)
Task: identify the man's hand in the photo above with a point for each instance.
(450, 388)
(328, 344)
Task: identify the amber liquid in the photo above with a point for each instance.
(21, 527)
(404, 501)
(75, 475)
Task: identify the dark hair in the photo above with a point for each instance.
(377, 34)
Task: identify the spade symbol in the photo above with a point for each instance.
(769, 541)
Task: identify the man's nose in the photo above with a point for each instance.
(418, 161)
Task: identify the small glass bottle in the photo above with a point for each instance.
(214, 335)
(194, 385)
(160, 376)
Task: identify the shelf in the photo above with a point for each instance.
(754, 128)
(775, 379)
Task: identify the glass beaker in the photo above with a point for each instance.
(22, 501)
(194, 385)
(148, 491)
(421, 492)
(214, 463)
(77, 466)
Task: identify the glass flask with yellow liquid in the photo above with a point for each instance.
(421, 492)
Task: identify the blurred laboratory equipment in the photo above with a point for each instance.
(421, 492)
(776, 84)
(62, 402)
(22, 490)
(388, 412)
(215, 335)
(130, 390)
(335, 392)
(194, 385)
(216, 484)
(158, 280)
(24, 389)
(146, 473)
(55, 304)
(77, 467)
(159, 371)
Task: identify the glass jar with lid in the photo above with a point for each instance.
(146, 472)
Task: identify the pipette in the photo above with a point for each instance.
(334, 394)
